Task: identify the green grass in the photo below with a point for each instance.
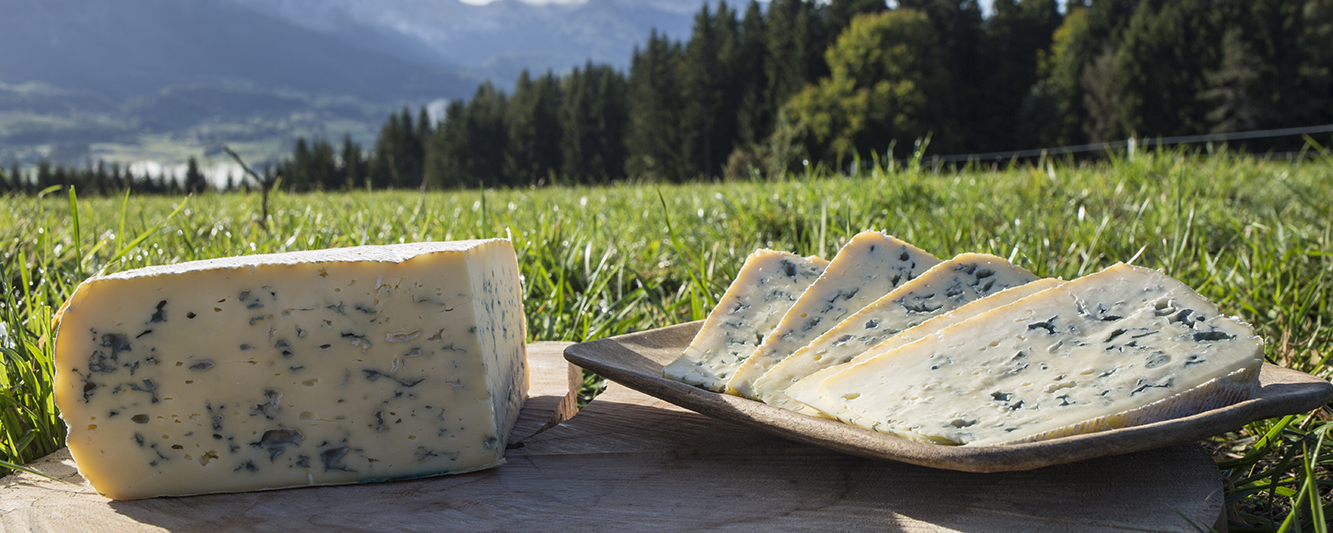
(1254, 236)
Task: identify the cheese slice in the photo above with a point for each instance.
(943, 288)
(1122, 347)
(869, 266)
(765, 288)
(831, 409)
(306, 368)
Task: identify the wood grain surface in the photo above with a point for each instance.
(632, 462)
(33, 503)
(639, 462)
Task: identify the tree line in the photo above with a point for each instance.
(803, 83)
(107, 179)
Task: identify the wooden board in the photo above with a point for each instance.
(32, 503)
(640, 463)
(631, 461)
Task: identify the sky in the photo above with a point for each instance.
(985, 4)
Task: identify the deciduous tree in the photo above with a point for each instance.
(886, 69)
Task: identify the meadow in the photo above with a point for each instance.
(1253, 235)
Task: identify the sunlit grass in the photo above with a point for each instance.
(1251, 235)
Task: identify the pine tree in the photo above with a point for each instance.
(447, 149)
(424, 131)
(138, 183)
(1309, 98)
(1159, 96)
(592, 124)
(487, 137)
(130, 179)
(958, 23)
(172, 183)
(94, 180)
(156, 184)
(841, 12)
(1107, 20)
(406, 162)
(1090, 62)
(44, 176)
(652, 142)
(85, 179)
(1099, 98)
(353, 165)
(296, 172)
(754, 115)
(468, 148)
(577, 125)
(533, 120)
(1276, 65)
(796, 41)
(322, 168)
(1054, 110)
(381, 176)
(711, 91)
(194, 179)
(1233, 92)
(115, 182)
(1016, 35)
(399, 154)
(17, 181)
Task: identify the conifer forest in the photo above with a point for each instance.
(761, 89)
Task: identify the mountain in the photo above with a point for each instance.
(376, 50)
(136, 47)
(495, 40)
(84, 79)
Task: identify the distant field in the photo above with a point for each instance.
(69, 128)
(1254, 236)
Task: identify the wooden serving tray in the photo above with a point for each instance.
(629, 461)
(636, 360)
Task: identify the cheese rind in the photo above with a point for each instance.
(307, 368)
(809, 385)
(1089, 354)
(869, 266)
(943, 288)
(765, 288)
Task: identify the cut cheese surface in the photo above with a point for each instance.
(943, 288)
(1125, 346)
(306, 368)
(869, 266)
(810, 384)
(765, 288)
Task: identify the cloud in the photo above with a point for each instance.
(533, 2)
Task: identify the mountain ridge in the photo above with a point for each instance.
(76, 74)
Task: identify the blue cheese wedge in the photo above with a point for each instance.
(765, 288)
(307, 368)
(943, 288)
(1122, 347)
(868, 267)
(831, 409)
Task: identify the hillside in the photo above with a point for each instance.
(155, 79)
(138, 47)
(495, 40)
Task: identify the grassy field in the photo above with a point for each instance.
(1254, 236)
